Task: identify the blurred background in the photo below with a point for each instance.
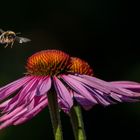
(100, 32)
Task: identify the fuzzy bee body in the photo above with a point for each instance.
(9, 37)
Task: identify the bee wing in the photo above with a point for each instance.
(1, 31)
(22, 39)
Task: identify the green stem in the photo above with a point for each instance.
(55, 115)
(77, 123)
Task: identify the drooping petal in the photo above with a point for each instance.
(44, 86)
(116, 96)
(111, 95)
(102, 99)
(17, 100)
(85, 103)
(78, 88)
(100, 85)
(12, 119)
(30, 114)
(62, 104)
(63, 93)
(93, 82)
(116, 93)
(25, 104)
(111, 87)
(99, 96)
(134, 86)
(12, 87)
(15, 82)
(4, 104)
(35, 101)
(24, 112)
(11, 114)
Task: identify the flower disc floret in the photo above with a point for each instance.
(79, 66)
(47, 62)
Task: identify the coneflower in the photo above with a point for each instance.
(53, 76)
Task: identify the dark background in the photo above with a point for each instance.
(100, 32)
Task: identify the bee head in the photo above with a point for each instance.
(11, 35)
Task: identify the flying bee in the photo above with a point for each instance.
(9, 37)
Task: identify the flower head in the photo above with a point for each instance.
(47, 63)
(73, 81)
(79, 66)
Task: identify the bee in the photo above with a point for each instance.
(9, 37)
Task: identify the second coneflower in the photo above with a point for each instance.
(72, 80)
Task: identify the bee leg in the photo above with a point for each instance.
(12, 44)
(6, 45)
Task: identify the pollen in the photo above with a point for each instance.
(47, 62)
(79, 66)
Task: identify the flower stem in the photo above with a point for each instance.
(55, 115)
(77, 123)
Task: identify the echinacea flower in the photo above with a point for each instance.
(73, 81)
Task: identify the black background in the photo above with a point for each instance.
(104, 33)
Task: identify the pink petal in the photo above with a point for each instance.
(21, 96)
(23, 113)
(126, 84)
(111, 87)
(35, 101)
(11, 120)
(11, 114)
(79, 88)
(15, 82)
(62, 106)
(63, 93)
(4, 104)
(116, 97)
(93, 82)
(44, 86)
(28, 115)
(98, 96)
(86, 104)
(12, 87)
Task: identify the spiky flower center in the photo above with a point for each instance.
(79, 66)
(54, 62)
(47, 62)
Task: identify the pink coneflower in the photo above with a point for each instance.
(71, 78)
